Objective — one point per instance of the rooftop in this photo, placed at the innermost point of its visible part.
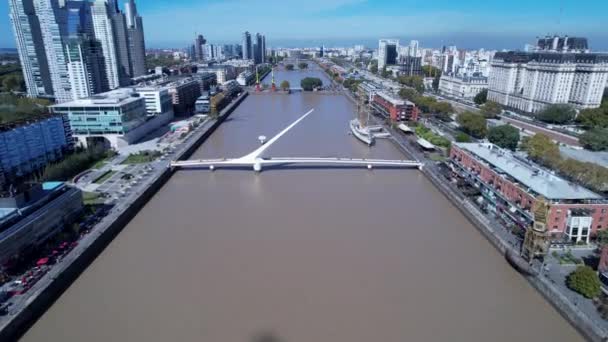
(528, 174)
(113, 98)
(600, 158)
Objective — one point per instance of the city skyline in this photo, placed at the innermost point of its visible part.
(341, 22)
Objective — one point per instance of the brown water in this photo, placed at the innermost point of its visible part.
(340, 255)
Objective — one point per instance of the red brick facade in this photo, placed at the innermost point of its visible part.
(518, 196)
(397, 111)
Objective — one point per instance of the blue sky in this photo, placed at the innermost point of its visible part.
(466, 23)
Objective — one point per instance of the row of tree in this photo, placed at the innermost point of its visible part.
(427, 104)
(75, 163)
(14, 108)
(544, 151)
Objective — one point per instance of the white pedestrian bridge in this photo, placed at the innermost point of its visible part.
(257, 162)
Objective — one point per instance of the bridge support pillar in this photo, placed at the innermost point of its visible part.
(257, 167)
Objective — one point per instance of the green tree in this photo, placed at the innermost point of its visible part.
(557, 114)
(285, 85)
(310, 83)
(602, 237)
(542, 149)
(289, 67)
(481, 97)
(431, 71)
(491, 110)
(593, 118)
(462, 137)
(473, 124)
(435, 84)
(505, 136)
(374, 67)
(12, 82)
(409, 94)
(585, 281)
(595, 139)
(443, 107)
(303, 65)
(415, 82)
(386, 73)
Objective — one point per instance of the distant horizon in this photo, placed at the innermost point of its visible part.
(465, 41)
(466, 24)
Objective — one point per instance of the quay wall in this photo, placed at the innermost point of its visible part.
(48, 289)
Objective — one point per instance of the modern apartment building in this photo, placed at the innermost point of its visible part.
(28, 146)
(61, 44)
(30, 45)
(137, 45)
(530, 81)
(465, 87)
(387, 52)
(184, 94)
(511, 185)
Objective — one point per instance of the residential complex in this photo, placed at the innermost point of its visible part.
(511, 185)
(73, 49)
(28, 146)
(465, 87)
(528, 81)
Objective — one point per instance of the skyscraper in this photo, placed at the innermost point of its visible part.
(85, 61)
(104, 32)
(137, 45)
(247, 47)
(258, 46)
(263, 53)
(52, 20)
(30, 46)
(199, 42)
(73, 48)
(387, 52)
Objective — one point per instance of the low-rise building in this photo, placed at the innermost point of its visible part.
(35, 214)
(184, 94)
(206, 80)
(157, 98)
(116, 118)
(246, 78)
(511, 185)
(465, 87)
(223, 72)
(27, 146)
(394, 108)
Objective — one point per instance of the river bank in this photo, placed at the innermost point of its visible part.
(60, 277)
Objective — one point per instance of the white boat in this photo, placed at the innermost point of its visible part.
(361, 133)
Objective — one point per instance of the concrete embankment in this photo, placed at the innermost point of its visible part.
(42, 295)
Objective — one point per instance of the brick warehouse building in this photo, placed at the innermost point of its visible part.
(394, 108)
(510, 186)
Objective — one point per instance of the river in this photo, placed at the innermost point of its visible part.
(307, 254)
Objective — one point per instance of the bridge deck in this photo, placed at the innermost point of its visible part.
(293, 161)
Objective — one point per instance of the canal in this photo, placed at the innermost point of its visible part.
(340, 255)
